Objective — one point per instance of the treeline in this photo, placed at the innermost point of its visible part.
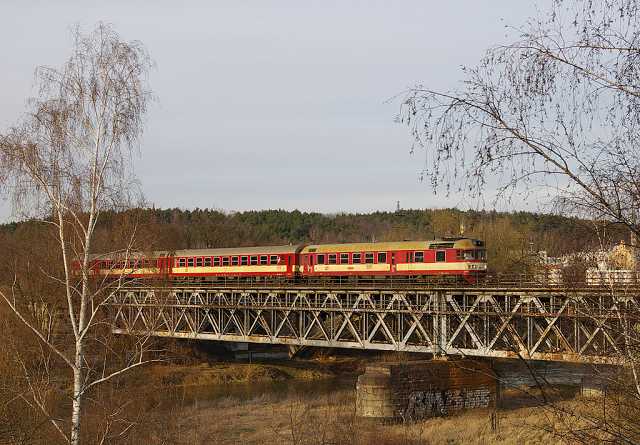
(511, 237)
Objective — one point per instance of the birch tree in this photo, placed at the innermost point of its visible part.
(66, 163)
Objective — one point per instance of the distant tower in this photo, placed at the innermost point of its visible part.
(397, 206)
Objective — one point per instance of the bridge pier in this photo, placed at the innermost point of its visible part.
(422, 389)
(430, 388)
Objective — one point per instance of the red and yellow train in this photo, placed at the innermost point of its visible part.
(446, 258)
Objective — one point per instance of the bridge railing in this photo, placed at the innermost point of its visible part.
(491, 280)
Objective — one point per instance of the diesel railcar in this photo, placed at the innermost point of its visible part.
(446, 258)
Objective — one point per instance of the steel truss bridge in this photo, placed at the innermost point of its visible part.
(592, 326)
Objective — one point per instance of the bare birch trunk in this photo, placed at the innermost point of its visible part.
(76, 407)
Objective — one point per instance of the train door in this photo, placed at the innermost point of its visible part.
(310, 263)
(163, 265)
(393, 262)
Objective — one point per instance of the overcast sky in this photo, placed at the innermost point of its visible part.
(271, 104)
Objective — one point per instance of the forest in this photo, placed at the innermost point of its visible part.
(512, 239)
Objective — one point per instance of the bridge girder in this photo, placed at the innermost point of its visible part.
(580, 326)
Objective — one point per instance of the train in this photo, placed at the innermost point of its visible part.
(451, 259)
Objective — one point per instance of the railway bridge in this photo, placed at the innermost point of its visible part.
(582, 325)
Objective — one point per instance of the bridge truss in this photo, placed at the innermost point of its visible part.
(578, 326)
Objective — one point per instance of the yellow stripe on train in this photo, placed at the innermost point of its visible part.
(454, 266)
(352, 268)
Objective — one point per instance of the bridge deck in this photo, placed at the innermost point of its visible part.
(582, 325)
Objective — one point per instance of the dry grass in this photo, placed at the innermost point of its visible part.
(331, 420)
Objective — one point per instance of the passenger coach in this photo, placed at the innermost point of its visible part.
(268, 261)
(204, 264)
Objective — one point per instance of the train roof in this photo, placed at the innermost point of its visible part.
(441, 243)
(224, 251)
(238, 251)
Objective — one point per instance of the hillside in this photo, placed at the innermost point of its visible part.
(510, 237)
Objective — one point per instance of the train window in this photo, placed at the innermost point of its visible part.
(357, 258)
(458, 254)
(244, 260)
(198, 262)
(254, 260)
(382, 257)
(441, 246)
(189, 262)
(264, 259)
(469, 254)
(207, 262)
(273, 259)
(333, 258)
(182, 262)
(368, 258)
(344, 258)
(320, 259)
(235, 260)
(216, 261)
(225, 260)
(441, 256)
(418, 257)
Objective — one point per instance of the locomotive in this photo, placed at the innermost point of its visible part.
(457, 259)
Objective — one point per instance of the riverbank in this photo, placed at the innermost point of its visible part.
(232, 372)
(308, 402)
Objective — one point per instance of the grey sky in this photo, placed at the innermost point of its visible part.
(271, 104)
